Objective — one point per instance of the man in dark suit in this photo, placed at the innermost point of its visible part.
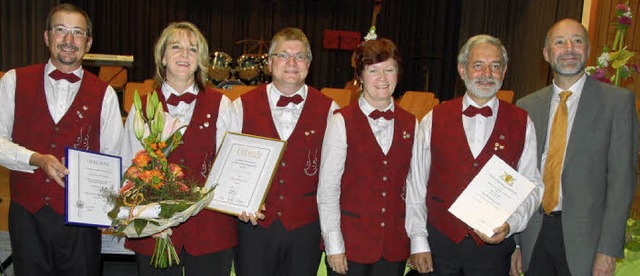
(579, 229)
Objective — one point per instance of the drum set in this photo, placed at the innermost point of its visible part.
(248, 69)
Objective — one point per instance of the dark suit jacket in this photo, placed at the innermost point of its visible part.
(599, 173)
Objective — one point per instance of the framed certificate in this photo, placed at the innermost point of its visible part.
(91, 176)
(242, 172)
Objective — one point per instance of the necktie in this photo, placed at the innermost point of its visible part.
(185, 97)
(473, 111)
(284, 101)
(58, 75)
(387, 115)
(555, 155)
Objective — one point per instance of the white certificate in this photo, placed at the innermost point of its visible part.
(492, 196)
(242, 172)
(91, 177)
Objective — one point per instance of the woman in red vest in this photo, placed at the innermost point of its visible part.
(204, 242)
(366, 154)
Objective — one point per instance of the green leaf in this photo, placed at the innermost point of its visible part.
(139, 225)
(167, 210)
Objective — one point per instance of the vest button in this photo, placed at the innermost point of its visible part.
(181, 160)
(382, 224)
(279, 213)
(281, 181)
(384, 178)
(56, 128)
(384, 194)
(384, 210)
(384, 162)
(475, 165)
(283, 164)
(46, 198)
(47, 180)
(53, 146)
(281, 197)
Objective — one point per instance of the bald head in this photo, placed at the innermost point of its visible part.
(564, 24)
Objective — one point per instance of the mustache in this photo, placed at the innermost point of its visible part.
(73, 47)
(569, 55)
(485, 79)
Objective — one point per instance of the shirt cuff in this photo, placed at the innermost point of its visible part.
(420, 244)
(511, 221)
(333, 243)
(23, 156)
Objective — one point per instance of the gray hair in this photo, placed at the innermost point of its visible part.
(463, 55)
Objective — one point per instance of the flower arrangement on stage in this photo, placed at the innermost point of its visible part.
(612, 64)
(155, 195)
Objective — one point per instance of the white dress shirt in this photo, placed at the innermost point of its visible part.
(284, 118)
(478, 129)
(183, 111)
(59, 96)
(334, 154)
(572, 106)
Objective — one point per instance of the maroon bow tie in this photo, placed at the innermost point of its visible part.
(284, 101)
(387, 115)
(185, 97)
(70, 77)
(473, 111)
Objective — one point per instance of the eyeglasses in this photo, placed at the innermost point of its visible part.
(297, 58)
(62, 31)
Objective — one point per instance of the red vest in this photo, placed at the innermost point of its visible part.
(372, 198)
(34, 129)
(453, 165)
(208, 231)
(292, 195)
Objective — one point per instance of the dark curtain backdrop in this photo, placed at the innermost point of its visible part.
(428, 33)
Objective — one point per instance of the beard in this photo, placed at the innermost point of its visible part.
(64, 59)
(569, 71)
(479, 92)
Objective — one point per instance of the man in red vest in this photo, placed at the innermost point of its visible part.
(287, 240)
(43, 109)
(458, 138)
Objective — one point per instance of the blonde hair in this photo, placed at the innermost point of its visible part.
(288, 34)
(201, 44)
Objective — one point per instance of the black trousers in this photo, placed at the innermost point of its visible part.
(468, 258)
(379, 268)
(214, 264)
(42, 244)
(549, 257)
(275, 251)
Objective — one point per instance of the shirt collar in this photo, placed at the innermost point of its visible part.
(167, 90)
(367, 108)
(576, 88)
(492, 103)
(49, 67)
(274, 94)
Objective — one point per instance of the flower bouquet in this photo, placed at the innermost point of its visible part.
(612, 64)
(155, 195)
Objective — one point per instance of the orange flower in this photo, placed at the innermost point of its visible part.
(127, 186)
(142, 158)
(162, 145)
(133, 172)
(182, 187)
(151, 176)
(176, 170)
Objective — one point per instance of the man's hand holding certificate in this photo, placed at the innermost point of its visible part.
(491, 197)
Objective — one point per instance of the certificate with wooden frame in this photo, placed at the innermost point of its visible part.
(242, 172)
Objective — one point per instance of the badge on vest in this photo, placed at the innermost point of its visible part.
(311, 168)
